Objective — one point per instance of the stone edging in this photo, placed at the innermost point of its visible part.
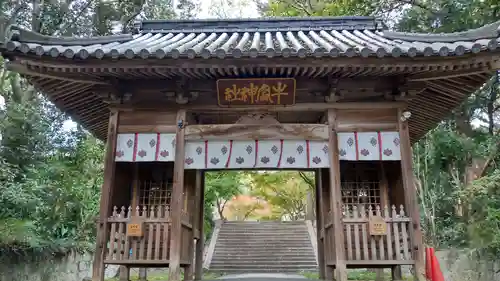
(211, 247)
(312, 237)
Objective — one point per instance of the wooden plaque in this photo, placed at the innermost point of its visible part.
(135, 229)
(377, 226)
(256, 91)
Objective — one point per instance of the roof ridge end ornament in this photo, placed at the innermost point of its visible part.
(7, 27)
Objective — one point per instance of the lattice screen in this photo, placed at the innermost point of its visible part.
(360, 184)
(155, 185)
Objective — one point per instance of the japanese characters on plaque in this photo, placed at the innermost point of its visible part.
(247, 154)
(377, 226)
(255, 91)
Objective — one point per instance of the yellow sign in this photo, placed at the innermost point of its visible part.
(267, 91)
(377, 226)
(134, 229)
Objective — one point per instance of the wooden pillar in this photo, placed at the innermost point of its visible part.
(104, 208)
(177, 200)
(135, 187)
(200, 243)
(336, 198)
(192, 211)
(319, 224)
(410, 196)
(325, 207)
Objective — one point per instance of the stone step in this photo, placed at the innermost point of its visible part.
(273, 255)
(263, 251)
(262, 264)
(270, 260)
(249, 267)
(265, 242)
(263, 233)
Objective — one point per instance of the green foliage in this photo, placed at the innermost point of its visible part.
(295, 8)
(285, 191)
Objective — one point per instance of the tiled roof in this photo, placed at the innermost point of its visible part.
(291, 37)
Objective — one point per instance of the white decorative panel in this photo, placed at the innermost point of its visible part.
(217, 154)
(269, 153)
(242, 155)
(146, 147)
(194, 155)
(166, 151)
(347, 146)
(294, 154)
(368, 146)
(318, 154)
(391, 149)
(125, 144)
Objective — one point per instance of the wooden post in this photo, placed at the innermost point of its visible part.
(336, 198)
(143, 274)
(325, 207)
(135, 187)
(319, 224)
(124, 273)
(410, 196)
(177, 200)
(192, 192)
(105, 208)
(200, 243)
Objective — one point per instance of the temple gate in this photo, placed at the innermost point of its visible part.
(343, 97)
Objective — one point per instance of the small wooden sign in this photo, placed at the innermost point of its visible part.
(377, 226)
(135, 228)
(256, 91)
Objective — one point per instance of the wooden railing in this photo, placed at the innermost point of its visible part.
(363, 249)
(391, 248)
(150, 248)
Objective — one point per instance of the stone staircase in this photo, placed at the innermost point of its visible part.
(262, 247)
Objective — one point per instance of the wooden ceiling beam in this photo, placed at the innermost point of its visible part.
(447, 74)
(23, 69)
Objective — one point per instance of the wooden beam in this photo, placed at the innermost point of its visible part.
(200, 243)
(105, 208)
(336, 198)
(317, 107)
(177, 201)
(258, 131)
(22, 69)
(123, 129)
(411, 202)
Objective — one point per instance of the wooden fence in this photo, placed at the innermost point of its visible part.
(152, 247)
(393, 247)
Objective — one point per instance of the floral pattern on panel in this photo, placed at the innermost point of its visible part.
(342, 152)
(130, 143)
(300, 149)
(142, 153)
(249, 149)
(290, 160)
(387, 152)
(152, 142)
(189, 161)
(396, 141)
(316, 160)
(214, 160)
(365, 152)
(120, 153)
(373, 141)
(199, 150)
(274, 149)
(223, 150)
(325, 149)
(350, 142)
(240, 160)
(265, 159)
(164, 153)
